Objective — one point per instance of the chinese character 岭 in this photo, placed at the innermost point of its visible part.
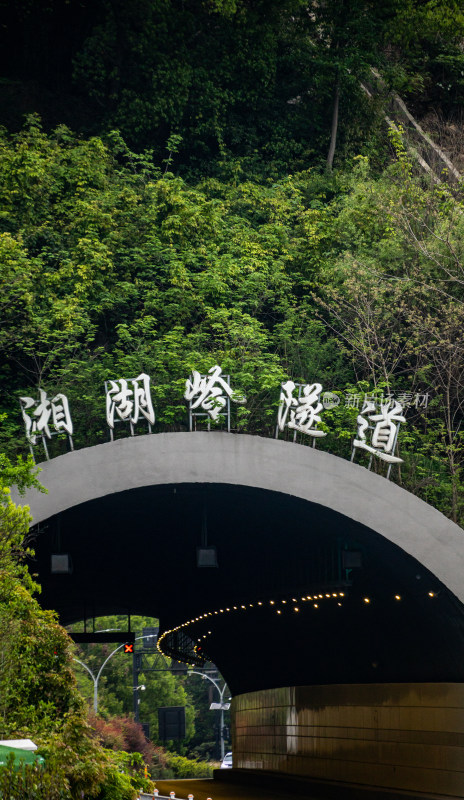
(207, 392)
(384, 432)
(128, 399)
(300, 413)
(36, 415)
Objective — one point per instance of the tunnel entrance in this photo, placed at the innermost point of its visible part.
(318, 598)
(334, 612)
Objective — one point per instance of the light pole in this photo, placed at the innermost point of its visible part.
(215, 706)
(96, 677)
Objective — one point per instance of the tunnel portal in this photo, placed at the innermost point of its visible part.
(335, 611)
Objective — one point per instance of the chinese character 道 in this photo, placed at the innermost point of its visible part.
(384, 432)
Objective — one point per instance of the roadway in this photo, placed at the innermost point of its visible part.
(202, 789)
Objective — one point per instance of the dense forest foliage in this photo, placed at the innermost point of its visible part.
(186, 183)
(114, 266)
(253, 80)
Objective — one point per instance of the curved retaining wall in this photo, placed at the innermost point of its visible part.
(398, 737)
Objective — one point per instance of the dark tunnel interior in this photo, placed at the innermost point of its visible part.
(386, 619)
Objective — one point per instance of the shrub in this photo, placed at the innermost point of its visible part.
(189, 768)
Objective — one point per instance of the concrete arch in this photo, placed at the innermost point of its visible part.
(301, 472)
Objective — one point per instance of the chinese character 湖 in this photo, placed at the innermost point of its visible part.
(128, 399)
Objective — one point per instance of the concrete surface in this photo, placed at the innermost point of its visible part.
(303, 472)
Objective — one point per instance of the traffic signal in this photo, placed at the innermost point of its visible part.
(128, 647)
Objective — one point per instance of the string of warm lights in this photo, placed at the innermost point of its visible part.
(287, 604)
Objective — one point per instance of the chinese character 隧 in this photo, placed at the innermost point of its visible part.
(301, 412)
(383, 433)
(128, 399)
(207, 392)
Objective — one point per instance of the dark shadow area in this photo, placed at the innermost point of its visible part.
(136, 552)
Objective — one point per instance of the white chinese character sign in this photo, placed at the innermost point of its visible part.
(39, 415)
(127, 399)
(300, 411)
(384, 431)
(212, 394)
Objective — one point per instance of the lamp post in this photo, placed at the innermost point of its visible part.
(96, 677)
(216, 706)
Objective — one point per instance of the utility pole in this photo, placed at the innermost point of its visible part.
(221, 706)
(135, 676)
(96, 678)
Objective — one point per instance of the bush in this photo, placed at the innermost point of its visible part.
(117, 786)
(31, 781)
(123, 734)
(188, 768)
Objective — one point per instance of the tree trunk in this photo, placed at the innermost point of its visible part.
(333, 136)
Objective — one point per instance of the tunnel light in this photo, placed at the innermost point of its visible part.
(207, 556)
(432, 594)
(397, 597)
(296, 609)
(61, 564)
(367, 600)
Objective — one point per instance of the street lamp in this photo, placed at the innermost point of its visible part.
(96, 677)
(221, 706)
